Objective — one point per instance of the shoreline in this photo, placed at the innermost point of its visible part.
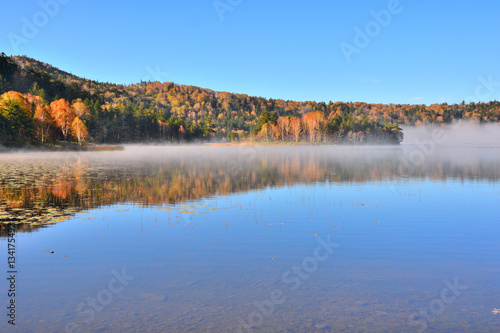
(98, 148)
(277, 144)
(62, 148)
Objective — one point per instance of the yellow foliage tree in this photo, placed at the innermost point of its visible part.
(16, 117)
(266, 131)
(79, 130)
(81, 110)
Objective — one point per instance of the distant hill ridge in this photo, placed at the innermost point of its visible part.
(156, 111)
(222, 102)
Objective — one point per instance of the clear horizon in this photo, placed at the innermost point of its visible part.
(388, 52)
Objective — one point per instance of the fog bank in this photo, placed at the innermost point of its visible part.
(460, 133)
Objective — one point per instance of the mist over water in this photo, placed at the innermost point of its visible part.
(207, 231)
(145, 174)
(462, 133)
(426, 149)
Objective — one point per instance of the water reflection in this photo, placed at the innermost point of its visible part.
(38, 189)
(202, 266)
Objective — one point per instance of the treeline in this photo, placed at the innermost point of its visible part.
(318, 127)
(168, 111)
(27, 118)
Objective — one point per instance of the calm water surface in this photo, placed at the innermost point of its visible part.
(254, 239)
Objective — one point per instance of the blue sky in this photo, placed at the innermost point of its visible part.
(424, 52)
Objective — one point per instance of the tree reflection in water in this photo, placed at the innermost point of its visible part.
(39, 189)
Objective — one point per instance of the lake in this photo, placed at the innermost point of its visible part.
(253, 239)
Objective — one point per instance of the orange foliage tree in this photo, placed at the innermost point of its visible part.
(314, 122)
(296, 128)
(64, 115)
(44, 122)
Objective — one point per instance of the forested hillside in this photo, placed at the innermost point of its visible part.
(64, 107)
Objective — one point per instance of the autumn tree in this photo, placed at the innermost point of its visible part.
(81, 110)
(275, 132)
(266, 131)
(44, 122)
(64, 115)
(182, 130)
(284, 126)
(296, 128)
(265, 118)
(16, 118)
(314, 122)
(164, 128)
(79, 130)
